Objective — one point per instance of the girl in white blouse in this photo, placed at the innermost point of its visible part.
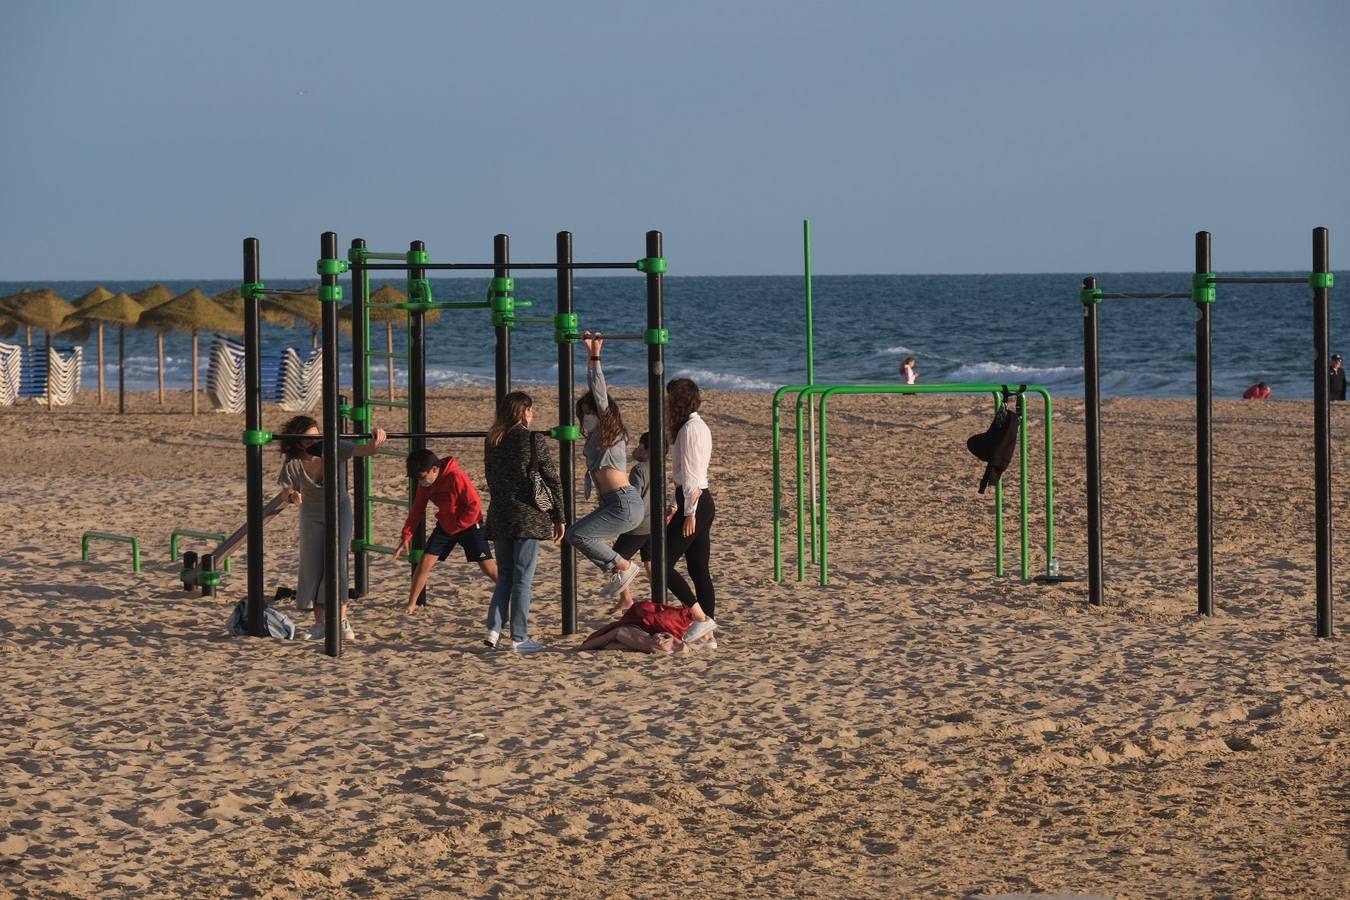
(691, 516)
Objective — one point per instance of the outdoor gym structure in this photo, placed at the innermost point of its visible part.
(812, 451)
(1203, 293)
(503, 305)
(819, 524)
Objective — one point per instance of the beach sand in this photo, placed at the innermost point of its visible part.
(918, 727)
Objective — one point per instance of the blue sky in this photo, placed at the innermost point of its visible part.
(145, 139)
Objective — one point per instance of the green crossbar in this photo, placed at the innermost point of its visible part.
(389, 404)
(110, 536)
(380, 548)
(388, 501)
(387, 451)
(217, 536)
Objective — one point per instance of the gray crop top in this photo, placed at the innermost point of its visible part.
(615, 456)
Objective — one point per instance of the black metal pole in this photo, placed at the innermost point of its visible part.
(656, 420)
(360, 420)
(208, 565)
(417, 401)
(567, 447)
(121, 370)
(1204, 434)
(253, 452)
(501, 268)
(334, 556)
(1322, 427)
(1092, 403)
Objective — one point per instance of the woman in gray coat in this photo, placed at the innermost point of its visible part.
(513, 456)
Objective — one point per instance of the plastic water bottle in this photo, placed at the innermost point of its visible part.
(1054, 567)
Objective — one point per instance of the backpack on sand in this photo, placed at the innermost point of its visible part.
(277, 623)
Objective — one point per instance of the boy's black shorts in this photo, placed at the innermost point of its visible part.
(471, 540)
(630, 543)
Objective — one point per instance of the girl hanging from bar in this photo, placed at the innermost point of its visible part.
(606, 449)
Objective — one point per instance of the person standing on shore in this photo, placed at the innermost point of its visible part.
(1336, 378)
(513, 457)
(690, 518)
(907, 370)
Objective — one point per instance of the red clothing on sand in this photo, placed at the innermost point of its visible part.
(1256, 392)
(457, 504)
(653, 619)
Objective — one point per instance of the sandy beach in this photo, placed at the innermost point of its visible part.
(918, 727)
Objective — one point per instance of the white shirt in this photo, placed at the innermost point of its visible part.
(689, 459)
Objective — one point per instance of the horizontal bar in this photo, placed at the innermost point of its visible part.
(388, 404)
(637, 336)
(371, 254)
(300, 292)
(379, 548)
(449, 304)
(1136, 296)
(388, 501)
(489, 266)
(1302, 281)
(392, 435)
(387, 451)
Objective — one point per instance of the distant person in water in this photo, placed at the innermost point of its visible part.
(1258, 391)
(907, 370)
(1336, 378)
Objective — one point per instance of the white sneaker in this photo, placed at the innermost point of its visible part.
(617, 580)
(347, 633)
(527, 646)
(491, 640)
(698, 629)
(315, 632)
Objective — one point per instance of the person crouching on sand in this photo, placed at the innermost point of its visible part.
(459, 516)
(302, 479)
(648, 627)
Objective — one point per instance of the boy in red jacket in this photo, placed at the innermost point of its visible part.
(459, 516)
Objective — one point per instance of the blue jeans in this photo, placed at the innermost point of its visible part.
(619, 512)
(515, 577)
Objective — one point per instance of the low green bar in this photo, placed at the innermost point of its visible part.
(217, 536)
(397, 257)
(389, 404)
(380, 548)
(110, 536)
(388, 501)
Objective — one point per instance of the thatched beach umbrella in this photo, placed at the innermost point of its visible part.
(88, 301)
(45, 309)
(388, 294)
(192, 311)
(149, 298)
(120, 310)
(234, 302)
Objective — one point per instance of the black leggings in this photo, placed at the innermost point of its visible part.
(695, 549)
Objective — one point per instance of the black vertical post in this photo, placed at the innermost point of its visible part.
(1204, 432)
(656, 419)
(360, 419)
(334, 556)
(253, 452)
(1092, 403)
(501, 268)
(566, 447)
(121, 370)
(417, 399)
(208, 565)
(1322, 427)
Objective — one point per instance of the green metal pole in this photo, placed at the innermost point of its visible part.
(1049, 482)
(801, 497)
(1022, 475)
(810, 380)
(777, 494)
(824, 507)
(998, 508)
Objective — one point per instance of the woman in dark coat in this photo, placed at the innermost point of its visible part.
(516, 524)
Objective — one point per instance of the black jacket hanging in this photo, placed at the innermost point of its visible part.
(995, 445)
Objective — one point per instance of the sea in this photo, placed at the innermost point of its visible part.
(748, 333)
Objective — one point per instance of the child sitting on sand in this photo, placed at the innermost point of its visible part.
(459, 519)
(649, 627)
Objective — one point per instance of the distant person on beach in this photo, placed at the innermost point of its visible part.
(620, 508)
(301, 478)
(689, 520)
(1336, 378)
(517, 462)
(639, 539)
(907, 370)
(1258, 391)
(459, 515)
(649, 627)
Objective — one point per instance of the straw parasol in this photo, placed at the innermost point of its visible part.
(386, 295)
(120, 310)
(149, 298)
(88, 301)
(45, 309)
(234, 302)
(192, 311)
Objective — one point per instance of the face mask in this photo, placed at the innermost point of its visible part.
(590, 422)
(427, 482)
(315, 449)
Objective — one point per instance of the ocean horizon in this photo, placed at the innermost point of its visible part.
(748, 332)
